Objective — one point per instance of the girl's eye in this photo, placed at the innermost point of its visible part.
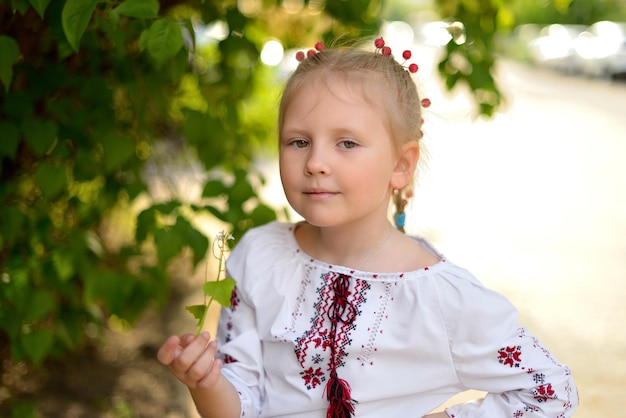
(347, 144)
(299, 143)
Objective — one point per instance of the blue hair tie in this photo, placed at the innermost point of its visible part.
(399, 219)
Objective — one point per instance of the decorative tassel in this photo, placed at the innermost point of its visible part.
(338, 394)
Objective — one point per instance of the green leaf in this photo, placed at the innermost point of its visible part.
(9, 54)
(10, 322)
(11, 223)
(197, 311)
(51, 179)
(221, 290)
(141, 9)
(69, 329)
(262, 214)
(20, 6)
(39, 134)
(75, 18)
(164, 40)
(169, 244)
(111, 288)
(117, 150)
(42, 302)
(63, 264)
(241, 190)
(40, 6)
(37, 344)
(146, 220)
(10, 140)
(193, 238)
(213, 188)
(25, 409)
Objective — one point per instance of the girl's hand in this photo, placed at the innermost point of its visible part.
(192, 360)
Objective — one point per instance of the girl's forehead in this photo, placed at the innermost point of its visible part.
(344, 88)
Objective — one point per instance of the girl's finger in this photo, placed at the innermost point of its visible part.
(167, 352)
(211, 377)
(203, 364)
(190, 354)
(187, 339)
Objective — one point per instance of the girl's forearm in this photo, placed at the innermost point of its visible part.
(222, 401)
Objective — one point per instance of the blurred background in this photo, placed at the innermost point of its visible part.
(133, 132)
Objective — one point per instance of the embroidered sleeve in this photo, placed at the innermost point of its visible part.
(493, 354)
(239, 348)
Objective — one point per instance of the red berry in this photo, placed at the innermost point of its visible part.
(299, 55)
(311, 52)
(406, 54)
(319, 46)
(425, 102)
(413, 68)
(386, 50)
(379, 42)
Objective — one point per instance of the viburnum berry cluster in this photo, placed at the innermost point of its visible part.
(300, 55)
(379, 43)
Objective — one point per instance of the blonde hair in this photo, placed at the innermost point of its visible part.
(383, 81)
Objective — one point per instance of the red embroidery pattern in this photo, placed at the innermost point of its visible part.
(510, 356)
(368, 350)
(313, 347)
(234, 299)
(229, 359)
(234, 303)
(313, 377)
(544, 392)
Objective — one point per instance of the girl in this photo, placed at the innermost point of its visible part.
(343, 315)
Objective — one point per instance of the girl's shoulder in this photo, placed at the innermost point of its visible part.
(272, 233)
(265, 243)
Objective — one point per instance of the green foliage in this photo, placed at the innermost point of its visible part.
(582, 12)
(102, 103)
(470, 54)
(9, 53)
(75, 17)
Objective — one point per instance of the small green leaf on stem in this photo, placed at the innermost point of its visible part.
(198, 311)
(220, 290)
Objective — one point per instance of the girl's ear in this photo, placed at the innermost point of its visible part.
(406, 165)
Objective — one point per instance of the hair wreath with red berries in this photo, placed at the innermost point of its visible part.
(381, 47)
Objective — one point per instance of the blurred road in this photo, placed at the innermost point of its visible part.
(533, 202)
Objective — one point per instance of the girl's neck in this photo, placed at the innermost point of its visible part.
(347, 246)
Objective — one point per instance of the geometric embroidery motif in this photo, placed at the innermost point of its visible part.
(312, 348)
(510, 356)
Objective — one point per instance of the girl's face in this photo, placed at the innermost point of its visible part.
(337, 159)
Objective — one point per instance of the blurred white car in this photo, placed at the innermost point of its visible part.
(554, 47)
(601, 49)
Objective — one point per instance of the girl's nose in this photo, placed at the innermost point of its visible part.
(317, 161)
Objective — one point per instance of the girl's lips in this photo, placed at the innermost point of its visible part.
(319, 193)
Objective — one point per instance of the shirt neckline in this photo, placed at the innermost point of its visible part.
(308, 259)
